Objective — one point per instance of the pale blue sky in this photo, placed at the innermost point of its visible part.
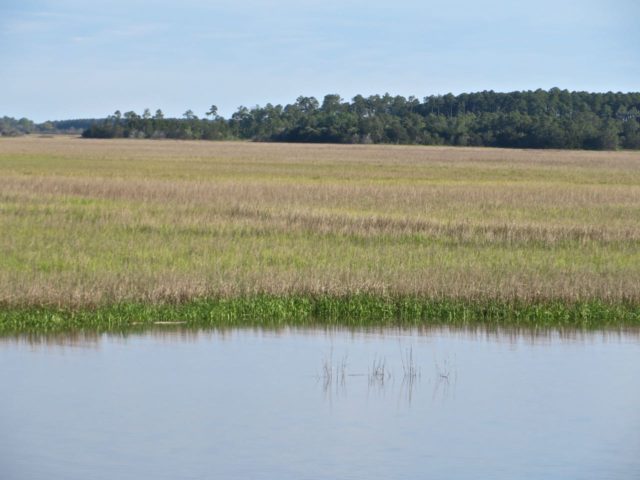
(82, 58)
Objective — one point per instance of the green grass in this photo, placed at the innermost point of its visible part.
(363, 310)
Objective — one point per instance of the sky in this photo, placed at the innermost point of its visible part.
(63, 59)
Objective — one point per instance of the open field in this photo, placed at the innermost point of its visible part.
(87, 223)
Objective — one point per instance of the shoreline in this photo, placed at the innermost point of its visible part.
(355, 311)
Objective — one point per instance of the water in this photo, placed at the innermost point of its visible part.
(258, 404)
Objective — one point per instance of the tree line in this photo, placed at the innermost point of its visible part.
(147, 125)
(524, 119)
(532, 119)
(11, 127)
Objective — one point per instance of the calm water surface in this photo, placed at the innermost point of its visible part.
(307, 404)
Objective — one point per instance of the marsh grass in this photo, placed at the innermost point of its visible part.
(378, 373)
(333, 370)
(362, 310)
(101, 232)
(410, 370)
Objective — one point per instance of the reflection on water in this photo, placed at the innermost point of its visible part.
(303, 403)
(171, 333)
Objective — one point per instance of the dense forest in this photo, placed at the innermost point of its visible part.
(529, 119)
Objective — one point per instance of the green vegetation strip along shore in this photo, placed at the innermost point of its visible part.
(351, 311)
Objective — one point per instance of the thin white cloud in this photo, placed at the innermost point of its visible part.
(27, 27)
(137, 30)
